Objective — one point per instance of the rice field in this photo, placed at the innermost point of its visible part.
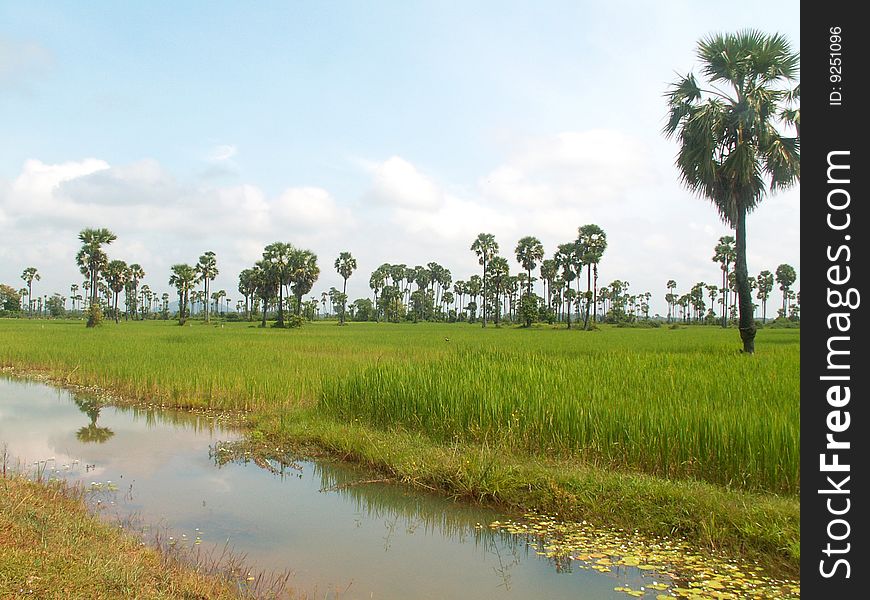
(678, 403)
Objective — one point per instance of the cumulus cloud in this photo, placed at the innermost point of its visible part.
(397, 182)
(306, 207)
(142, 182)
(159, 219)
(574, 168)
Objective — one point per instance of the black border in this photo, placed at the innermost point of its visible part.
(832, 128)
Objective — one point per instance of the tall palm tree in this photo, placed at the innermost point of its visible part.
(725, 253)
(730, 147)
(345, 264)
(247, 288)
(183, 278)
(263, 280)
(377, 281)
(764, 281)
(73, 290)
(785, 277)
(671, 298)
(277, 258)
(529, 251)
(206, 271)
(303, 275)
(592, 242)
(499, 271)
(116, 279)
(91, 260)
(29, 274)
(566, 260)
(485, 247)
(135, 273)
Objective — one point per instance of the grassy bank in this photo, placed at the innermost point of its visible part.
(51, 547)
(668, 430)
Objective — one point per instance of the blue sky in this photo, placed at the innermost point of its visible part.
(395, 130)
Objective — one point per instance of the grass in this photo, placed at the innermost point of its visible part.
(691, 436)
(53, 548)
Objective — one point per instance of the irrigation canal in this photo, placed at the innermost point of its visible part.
(340, 539)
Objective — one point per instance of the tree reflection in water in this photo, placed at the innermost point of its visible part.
(92, 433)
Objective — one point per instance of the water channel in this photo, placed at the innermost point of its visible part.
(373, 541)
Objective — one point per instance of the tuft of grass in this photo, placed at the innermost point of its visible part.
(53, 548)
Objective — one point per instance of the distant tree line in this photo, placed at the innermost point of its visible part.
(277, 287)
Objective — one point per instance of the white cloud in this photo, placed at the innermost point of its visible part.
(306, 207)
(396, 182)
(39, 178)
(141, 182)
(573, 168)
(223, 152)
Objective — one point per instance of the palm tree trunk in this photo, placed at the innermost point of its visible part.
(344, 300)
(484, 291)
(595, 292)
(588, 296)
(744, 293)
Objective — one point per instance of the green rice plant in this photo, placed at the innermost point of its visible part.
(716, 417)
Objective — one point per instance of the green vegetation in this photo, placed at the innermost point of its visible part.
(53, 548)
(732, 148)
(666, 430)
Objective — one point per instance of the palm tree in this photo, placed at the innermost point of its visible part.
(474, 287)
(28, 276)
(345, 264)
(116, 279)
(73, 290)
(182, 279)
(671, 298)
(713, 293)
(549, 272)
(565, 258)
(485, 247)
(206, 271)
(263, 281)
(765, 286)
(303, 275)
(529, 250)
(498, 273)
(135, 273)
(377, 281)
(217, 297)
(730, 147)
(277, 267)
(145, 299)
(247, 289)
(592, 242)
(785, 277)
(91, 260)
(725, 254)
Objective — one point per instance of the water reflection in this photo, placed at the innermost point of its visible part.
(342, 535)
(92, 433)
(405, 512)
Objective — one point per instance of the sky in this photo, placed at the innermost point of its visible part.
(396, 130)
